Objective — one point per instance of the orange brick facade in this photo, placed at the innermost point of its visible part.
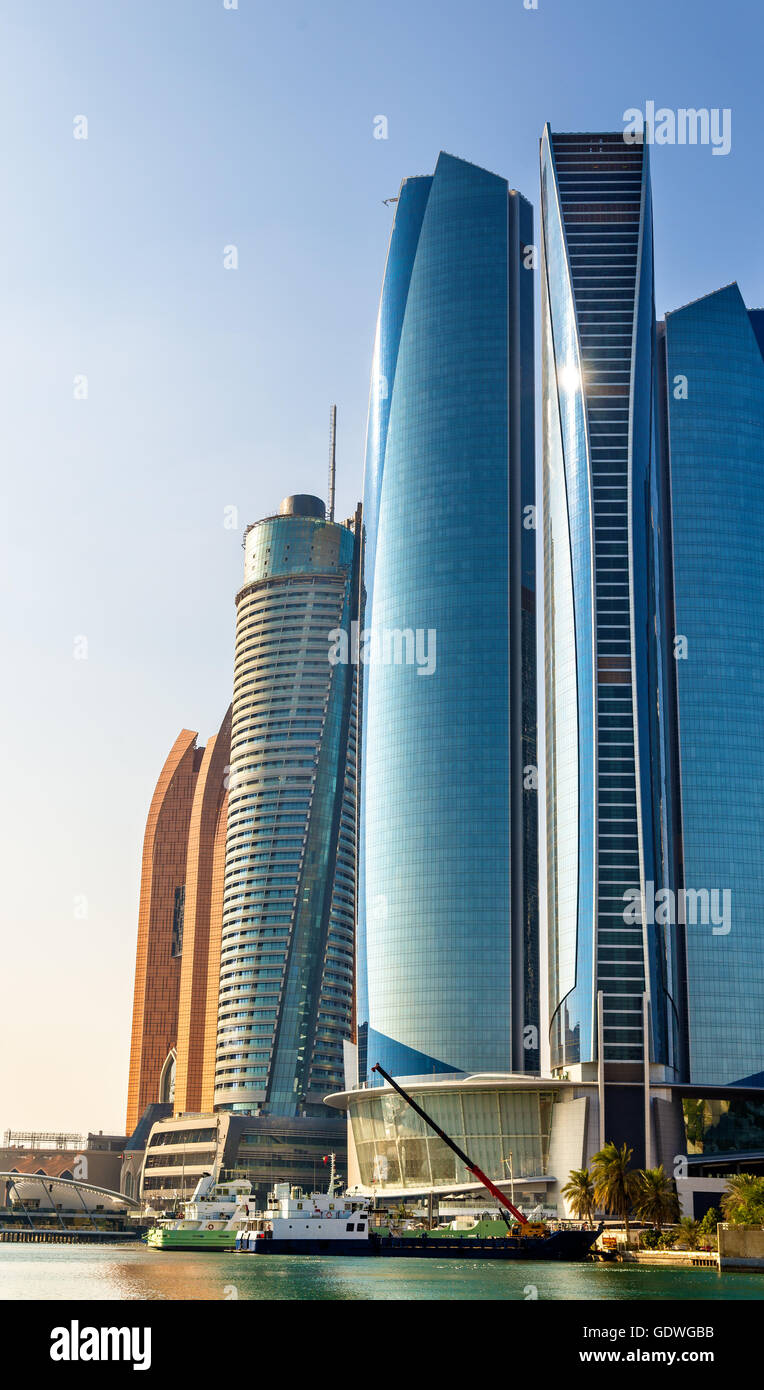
(181, 884)
(213, 967)
(200, 968)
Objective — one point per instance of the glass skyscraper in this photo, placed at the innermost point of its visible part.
(286, 962)
(611, 777)
(448, 893)
(713, 384)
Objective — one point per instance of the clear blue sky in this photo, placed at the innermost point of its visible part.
(210, 388)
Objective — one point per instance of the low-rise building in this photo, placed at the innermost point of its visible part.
(528, 1134)
(265, 1149)
(91, 1158)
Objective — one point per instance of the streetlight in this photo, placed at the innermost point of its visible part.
(511, 1179)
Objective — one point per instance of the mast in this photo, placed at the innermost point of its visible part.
(332, 1175)
(472, 1167)
(332, 460)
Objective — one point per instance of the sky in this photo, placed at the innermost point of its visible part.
(209, 388)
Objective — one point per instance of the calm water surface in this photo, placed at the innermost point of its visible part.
(132, 1271)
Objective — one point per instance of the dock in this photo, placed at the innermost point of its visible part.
(24, 1235)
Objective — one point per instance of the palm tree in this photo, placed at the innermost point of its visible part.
(615, 1183)
(743, 1202)
(689, 1232)
(655, 1199)
(579, 1191)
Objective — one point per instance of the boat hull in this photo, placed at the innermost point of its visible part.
(278, 1246)
(191, 1240)
(558, 1245)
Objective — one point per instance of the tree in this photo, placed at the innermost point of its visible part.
(689, 1232)
(579, 1191)
(743, 1202)
(615, 1183)
(668, 1239)
(709, 1224)
(655, 1198)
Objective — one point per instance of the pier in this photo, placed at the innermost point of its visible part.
(41, 1236)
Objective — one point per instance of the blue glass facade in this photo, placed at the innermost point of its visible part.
(714, 389)
(447, 929)
(286, 974)
(610, 775)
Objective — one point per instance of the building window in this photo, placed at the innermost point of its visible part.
(177, 921)
(167, 1080)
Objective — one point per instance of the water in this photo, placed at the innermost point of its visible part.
(133, 1272)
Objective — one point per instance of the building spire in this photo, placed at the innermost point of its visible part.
(332, 461)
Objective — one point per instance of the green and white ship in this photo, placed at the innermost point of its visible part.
(210, 1219)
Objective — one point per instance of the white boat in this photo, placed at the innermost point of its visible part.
(210, 1220)
(308, 1223)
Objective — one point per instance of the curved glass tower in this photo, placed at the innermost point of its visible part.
(611, 798)
(714, 374)
(447, 931)
(286, 967)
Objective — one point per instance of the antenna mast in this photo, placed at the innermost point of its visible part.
(332, 460)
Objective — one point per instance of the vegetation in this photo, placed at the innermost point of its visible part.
(743, 1202)
(655, 1199)
(659, 1240)
(708, 1227)
(688, 1233)
(650, 1195)
(579, 1191)
(616, 1183)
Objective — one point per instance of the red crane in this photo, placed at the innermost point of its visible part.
(473, 1168)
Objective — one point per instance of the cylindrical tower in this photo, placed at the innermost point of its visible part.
(286, 974)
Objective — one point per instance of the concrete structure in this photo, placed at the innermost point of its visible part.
(265, 1149)
(135, 1147)
(698, 1195)
(741, 1247)
(175, 996)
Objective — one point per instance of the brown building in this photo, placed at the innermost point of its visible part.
(172, 1054)
(202, 924)
(92, 1158)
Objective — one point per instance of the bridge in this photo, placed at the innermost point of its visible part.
(66, 1199)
